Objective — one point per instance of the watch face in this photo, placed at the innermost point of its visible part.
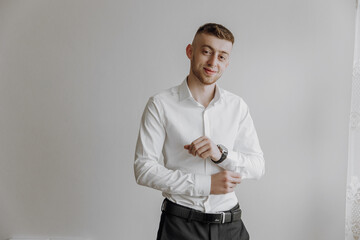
(223, 148)
(224, 153)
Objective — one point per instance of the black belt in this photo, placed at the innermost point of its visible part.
(231, 215)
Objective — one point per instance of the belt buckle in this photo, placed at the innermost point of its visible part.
(223, 217)
(222, 220)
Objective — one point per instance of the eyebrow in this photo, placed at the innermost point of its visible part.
(214, 49)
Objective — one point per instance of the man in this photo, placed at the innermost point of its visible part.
(208, 142)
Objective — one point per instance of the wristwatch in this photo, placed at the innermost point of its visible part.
(224, 153)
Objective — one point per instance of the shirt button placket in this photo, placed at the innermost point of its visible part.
(206, 131)
(206, 162)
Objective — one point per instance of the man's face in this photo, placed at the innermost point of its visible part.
(209, 57)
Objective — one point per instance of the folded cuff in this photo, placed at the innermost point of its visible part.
(202, 185)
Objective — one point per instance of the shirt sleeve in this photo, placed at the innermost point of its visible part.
(147, 168)
(246, 157)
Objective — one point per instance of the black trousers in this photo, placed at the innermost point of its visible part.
(176, 228)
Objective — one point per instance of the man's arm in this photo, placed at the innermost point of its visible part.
(149, 172)
(245, 158)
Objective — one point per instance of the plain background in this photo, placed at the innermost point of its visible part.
(75, 77)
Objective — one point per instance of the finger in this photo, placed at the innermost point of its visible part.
(192, 149)
(230, 187)
(195, 147)
(232, 177)
(188, 147)
(233, 185)
(235, 180)
(202, 149)
(196, 144)
(235, 174)
(202, 146)
(199, 139)
(205, 154)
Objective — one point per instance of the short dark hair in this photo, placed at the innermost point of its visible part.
(216, 30)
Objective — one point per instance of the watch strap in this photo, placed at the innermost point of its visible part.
(224, 154)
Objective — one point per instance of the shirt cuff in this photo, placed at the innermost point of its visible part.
(232, 162)
(202, 185)
(249, 166)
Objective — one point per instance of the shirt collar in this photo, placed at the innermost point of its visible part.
(185, 93)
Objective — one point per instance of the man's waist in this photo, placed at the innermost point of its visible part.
(231, 215)
(208, 204)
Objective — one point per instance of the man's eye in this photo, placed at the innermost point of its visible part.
(223, 58)
(206, 52)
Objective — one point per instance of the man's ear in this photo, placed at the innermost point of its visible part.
(189, 51)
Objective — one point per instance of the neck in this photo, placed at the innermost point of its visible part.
(202, 93)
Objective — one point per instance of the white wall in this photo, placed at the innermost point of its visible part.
(75, 77)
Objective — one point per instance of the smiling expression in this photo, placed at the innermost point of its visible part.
(209, 57)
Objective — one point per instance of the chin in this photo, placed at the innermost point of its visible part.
(208, 81)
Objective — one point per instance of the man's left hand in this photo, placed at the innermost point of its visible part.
(204, 148)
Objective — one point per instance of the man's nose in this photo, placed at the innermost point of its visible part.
(212, 60)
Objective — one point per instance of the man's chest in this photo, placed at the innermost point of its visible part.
(185, 123)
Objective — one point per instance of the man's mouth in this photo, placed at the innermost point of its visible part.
(209, 71)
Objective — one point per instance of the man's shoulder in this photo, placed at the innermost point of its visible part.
(166, 94)
(231, 97)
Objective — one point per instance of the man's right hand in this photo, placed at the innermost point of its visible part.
(224, 182)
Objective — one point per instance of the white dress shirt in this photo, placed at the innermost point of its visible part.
(172, 119)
